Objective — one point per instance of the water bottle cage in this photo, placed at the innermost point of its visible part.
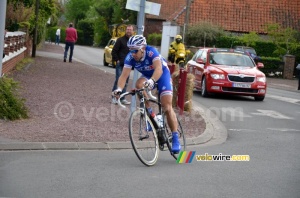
(153, 121)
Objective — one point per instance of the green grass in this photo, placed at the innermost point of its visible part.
(23, 63)
(12, 106)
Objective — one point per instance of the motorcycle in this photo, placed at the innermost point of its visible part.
(179, 56)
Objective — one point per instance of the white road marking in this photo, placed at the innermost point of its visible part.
(235, 111)
(273, 114)
(283, 130)
(285, 99)
(241, 130)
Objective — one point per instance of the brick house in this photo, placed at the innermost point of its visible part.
(239, 16)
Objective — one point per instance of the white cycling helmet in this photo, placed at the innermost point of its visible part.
(136, 42)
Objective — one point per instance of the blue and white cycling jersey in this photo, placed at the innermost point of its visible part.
(145, 67)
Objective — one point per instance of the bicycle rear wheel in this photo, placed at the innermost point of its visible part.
(181, 138)
(144, 143)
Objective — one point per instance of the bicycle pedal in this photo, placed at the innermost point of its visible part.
(144, 137)
(161, 147)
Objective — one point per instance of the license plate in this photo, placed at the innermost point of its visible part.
(240, 85)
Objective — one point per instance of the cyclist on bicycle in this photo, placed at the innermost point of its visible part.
(153, 67)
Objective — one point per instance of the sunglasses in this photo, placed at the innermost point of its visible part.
(134, 51)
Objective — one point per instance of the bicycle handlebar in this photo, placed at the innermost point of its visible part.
(121, 96)
(133, 92)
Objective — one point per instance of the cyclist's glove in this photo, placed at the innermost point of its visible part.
(117, 92)
(149, 84)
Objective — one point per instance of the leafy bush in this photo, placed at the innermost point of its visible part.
(273, 66)
(12, 107)
(272, 62)
(203, 34)
(154, 39)
(87, 32)
(227, 42)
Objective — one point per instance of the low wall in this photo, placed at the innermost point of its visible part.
(16, 47)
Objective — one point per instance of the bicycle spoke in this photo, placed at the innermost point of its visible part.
(144, 142)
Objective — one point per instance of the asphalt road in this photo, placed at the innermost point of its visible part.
(268, 132)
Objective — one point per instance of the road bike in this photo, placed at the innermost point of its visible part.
(148, 136)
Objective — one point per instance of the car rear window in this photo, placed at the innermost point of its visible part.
(251, 50)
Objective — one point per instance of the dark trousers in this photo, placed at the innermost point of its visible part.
(57, 39)
(119, 70)
(71, 46)
(299, 80)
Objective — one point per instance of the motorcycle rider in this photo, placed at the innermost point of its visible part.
(174, 45)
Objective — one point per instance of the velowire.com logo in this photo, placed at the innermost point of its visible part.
(188, 156)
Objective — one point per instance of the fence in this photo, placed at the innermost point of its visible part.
(16, 47)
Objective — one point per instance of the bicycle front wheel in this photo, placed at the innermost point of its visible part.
(143, 138)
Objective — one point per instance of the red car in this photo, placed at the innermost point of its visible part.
(227, 71)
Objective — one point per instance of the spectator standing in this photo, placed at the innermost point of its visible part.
(119, 52)
(71, 38)
(57, 37)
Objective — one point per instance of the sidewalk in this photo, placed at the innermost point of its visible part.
(284, 84)
(69, 105)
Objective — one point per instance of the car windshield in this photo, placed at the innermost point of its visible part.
(230, 59)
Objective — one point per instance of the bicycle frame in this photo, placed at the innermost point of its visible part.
(163, 134)
(143, 100)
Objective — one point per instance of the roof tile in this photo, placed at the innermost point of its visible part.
(234, 15)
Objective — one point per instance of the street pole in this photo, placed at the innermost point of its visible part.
(37, 5)
(3, 4)
(186, 20)
(141, 17)
(140, 24)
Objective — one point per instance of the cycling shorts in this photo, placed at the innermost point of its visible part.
(164, 84)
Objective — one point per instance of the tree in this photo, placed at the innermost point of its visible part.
(250, 39)
(203, 34)
(20, 14)
(76, 10)
(280, 35)
(110, 12)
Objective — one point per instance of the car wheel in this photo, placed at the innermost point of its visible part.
(204, 92)
(104, 61)
(259, 98)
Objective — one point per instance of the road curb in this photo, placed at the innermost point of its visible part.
(215, 132)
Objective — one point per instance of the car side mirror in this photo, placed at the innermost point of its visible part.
(260, 65)
(200, 61)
